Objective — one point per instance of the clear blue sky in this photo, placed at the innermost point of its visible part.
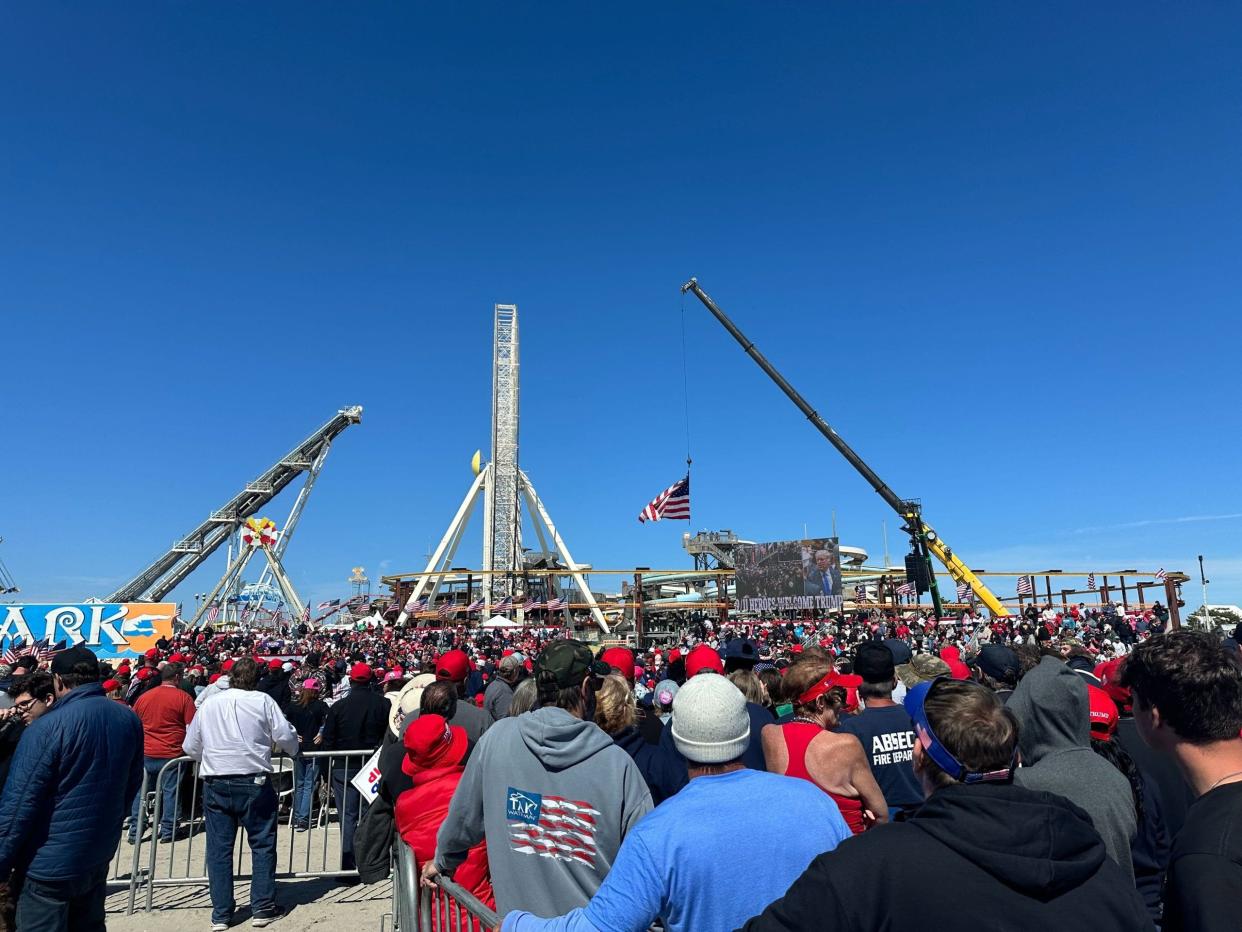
(996, 244)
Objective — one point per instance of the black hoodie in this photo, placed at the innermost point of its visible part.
(994, 857)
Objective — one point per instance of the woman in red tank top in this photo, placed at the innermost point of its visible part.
(806, 749)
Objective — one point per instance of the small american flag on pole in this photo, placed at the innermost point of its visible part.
(530, 604)
(1026, 585)
(475, 605)
(504, 605)
(329, 604)
(906, 589)
(446, 609)
(14, 652)
(964, 592)
(672, 503)
(413, 605)
(1091, 581)
(1160, 574)
(555, 604)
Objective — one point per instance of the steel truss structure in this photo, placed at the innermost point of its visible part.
(232, 577)
(188, 553)
(503, 487)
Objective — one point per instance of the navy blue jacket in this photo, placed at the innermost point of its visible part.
(71, 783)
(665, 771)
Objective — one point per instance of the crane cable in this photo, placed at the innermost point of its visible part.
(685, 380)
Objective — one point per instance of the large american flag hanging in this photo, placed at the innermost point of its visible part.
(1026, 585)
(906, 589)
(1091, 581)
(551, 826)
(672, 503)
(963, 591)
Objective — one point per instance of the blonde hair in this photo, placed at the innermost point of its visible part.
(750, 686)
(614, 705)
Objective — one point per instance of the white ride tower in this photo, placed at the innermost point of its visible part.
(503, 486)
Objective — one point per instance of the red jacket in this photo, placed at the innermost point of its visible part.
(166, 711)
(420, 812)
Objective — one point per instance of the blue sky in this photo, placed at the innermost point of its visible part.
(996, 245)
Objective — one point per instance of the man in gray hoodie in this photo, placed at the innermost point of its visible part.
(1054, 715)
(550, 792)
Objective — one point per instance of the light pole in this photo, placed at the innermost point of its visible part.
(1204, 581)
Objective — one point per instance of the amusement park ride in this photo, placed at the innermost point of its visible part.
(503, 487)
(188, 553)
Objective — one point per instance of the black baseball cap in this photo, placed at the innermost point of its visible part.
(568, 662)
(66, 660)
(874, 662)
(997, 661)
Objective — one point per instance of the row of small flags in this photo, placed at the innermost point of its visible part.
(414, 606)
(40, 650)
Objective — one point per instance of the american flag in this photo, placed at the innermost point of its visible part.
(330, 604)
(1160, 574)
(964, 592)
(446, 609)
(530, 604)
(555, 604)
(673, 503)
(15, 651)
(1091, 581)
(214, 612)
(306, 613)
(475, 605)
(1026, 585)
(504, 605)
(415, 605)
(906, 589)
(860, 594)
(551, 826)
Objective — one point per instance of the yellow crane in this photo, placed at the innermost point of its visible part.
(924, 536)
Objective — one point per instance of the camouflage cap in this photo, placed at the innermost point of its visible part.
(923, 668)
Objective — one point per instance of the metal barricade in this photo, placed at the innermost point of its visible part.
(319, 847)
(447, 908)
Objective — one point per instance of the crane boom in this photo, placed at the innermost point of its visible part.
(909, 511)
(185, 555)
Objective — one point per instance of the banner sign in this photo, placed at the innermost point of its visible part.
(789, 575)
(367, 780)
(114, 631)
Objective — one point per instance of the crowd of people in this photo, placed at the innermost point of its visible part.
(1080, 767)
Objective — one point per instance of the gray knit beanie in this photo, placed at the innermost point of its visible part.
(710, 723)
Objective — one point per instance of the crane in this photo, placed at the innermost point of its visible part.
(186, 554)
(923, 535)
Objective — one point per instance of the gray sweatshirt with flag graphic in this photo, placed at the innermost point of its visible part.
(554, 797)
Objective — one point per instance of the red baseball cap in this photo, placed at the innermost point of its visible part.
(153, 652)
(703, 658)
(109, 685)
(227, 665)
(453, 665)
(274, 664)
(360, 672)
(430, 742)
(1103, 713)
(620, 659)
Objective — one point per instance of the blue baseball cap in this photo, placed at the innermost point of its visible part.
(916, 696)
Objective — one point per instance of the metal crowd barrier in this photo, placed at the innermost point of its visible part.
(299, 853)
(447, 908)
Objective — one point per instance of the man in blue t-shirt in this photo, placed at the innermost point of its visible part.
(884, 728)
(679, 862)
